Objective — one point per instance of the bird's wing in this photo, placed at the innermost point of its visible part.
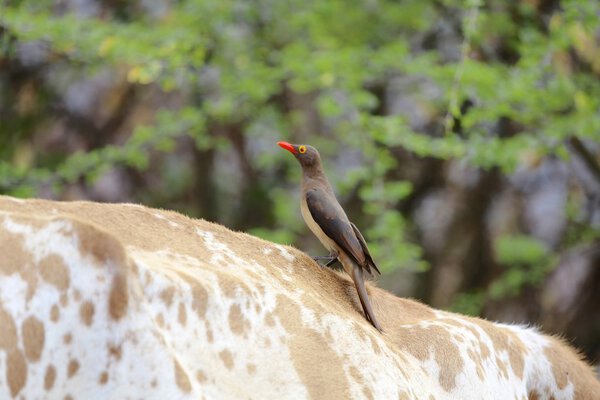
(330, 217)
(365, 248)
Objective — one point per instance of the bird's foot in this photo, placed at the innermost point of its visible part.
(330, 260)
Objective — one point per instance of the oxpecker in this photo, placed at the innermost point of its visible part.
(327, 220)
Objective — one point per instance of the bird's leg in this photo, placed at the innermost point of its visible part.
(331, 258)
(331, 262)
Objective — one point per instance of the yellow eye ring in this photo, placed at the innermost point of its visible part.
(302, 149)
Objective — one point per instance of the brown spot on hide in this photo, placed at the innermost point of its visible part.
(502, 368)
(422, 342)
(102, 246)
(200, 299)
(534, 395)
(72, 368)
(67, 338)
(167, 296)
(227, 358)
(103, 378)
(485, 351)
(16, 371)
(14, 256)
(54, 271)
(560, 373)
(8, 336)
(33, 338)
(504, 339)
(118, 298)
(160, 320)
(308, 349)
(86, 312)
(115, 351)
(269, 320)
(232, 286)
(201, 377)
(355, 374)
(568, 367)
(358, 378)
(54, 313)
(182, 315)
(49, 377)
(237, 322)
(480, 372)
(209, 334)
(64, 299)
(181, 378)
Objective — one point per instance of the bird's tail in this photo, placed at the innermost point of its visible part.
(359, 283)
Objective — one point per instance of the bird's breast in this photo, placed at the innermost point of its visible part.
(315, 228)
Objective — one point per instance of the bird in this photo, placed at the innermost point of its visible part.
(328, 221)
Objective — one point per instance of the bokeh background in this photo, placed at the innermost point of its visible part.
(462, 137)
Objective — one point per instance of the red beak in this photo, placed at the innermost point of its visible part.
(287, 146)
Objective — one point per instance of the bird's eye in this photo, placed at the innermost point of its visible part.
(302, 149)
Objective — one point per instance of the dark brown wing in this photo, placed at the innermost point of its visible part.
(363, 243)
(330, 216)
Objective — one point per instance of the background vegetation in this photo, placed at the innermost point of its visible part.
(463, 137)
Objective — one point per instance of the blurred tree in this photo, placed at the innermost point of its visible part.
(464, 137)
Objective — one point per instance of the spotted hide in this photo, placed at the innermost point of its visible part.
(117, 301)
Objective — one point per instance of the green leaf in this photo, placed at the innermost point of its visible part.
(519, 249)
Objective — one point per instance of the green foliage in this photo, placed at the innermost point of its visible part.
(90, 165)
(334, 53)
(525, 261)
(528, 260)
(518, 275)
(514, 250)
(470, 303)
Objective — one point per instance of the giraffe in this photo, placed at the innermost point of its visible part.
(123, 301)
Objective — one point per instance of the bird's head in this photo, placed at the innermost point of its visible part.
(307, 155)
